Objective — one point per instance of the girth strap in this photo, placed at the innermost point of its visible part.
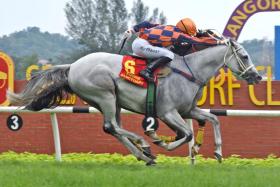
(150, 122)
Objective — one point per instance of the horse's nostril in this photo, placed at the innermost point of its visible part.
(259, 78)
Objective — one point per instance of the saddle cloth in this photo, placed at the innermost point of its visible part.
(131, 67)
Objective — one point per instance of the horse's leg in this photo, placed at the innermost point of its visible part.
(196, 145)
(98, 88)
(177, 124)
(134, 150)
(199, 138)
(108, 108)
(201, 115)
(133, 138)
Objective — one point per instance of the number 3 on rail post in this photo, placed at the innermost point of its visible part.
(14, 122)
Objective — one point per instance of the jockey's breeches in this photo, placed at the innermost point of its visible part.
(143, 48)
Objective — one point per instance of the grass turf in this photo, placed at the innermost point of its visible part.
(18, 170)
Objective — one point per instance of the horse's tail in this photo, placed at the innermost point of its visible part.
(44, 89)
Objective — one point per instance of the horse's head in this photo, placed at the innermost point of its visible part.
(240, 63)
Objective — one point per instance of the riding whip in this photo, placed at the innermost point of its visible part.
(122, 45)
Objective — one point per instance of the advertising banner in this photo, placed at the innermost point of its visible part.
(6, 77)
(244, 11)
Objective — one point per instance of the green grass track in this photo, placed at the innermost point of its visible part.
(97, 170)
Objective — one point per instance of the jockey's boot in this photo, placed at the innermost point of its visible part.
(148, 72)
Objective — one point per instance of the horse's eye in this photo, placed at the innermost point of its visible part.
(245, 57)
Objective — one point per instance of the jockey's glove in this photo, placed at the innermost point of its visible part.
(202, 33)
(223, 42)
(128, 33)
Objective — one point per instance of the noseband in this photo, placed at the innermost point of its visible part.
(244, 69)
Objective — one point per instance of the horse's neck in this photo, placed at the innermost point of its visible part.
(204, 64)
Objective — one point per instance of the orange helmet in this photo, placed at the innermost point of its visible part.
(187, 26)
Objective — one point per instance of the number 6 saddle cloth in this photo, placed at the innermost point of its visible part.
(131, 67)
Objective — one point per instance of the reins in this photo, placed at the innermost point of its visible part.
(188, 76)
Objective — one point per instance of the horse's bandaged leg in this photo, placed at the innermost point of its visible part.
(198, 141)
(168, 146)
(156, 139)
(201, 116)
(200, 132)
(200, 136)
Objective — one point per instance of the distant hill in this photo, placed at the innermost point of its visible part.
(32, 41)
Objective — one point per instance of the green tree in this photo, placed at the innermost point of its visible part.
(98, 24)
(140, 12)
(162, 18)
(158, 18)
(117, 22)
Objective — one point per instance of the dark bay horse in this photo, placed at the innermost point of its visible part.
(95, 79)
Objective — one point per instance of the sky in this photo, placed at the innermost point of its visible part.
(16, 15)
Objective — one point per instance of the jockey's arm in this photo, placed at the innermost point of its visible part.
(183, 38)
(143, 25)
(138, 28)
(207, 33)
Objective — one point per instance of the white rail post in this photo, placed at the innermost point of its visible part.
(56, 137)
(191, 143)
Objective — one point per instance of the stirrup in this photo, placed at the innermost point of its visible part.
(146, 74)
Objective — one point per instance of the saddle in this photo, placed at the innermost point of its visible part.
(131, 67)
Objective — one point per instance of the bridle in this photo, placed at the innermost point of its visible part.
(243, 69)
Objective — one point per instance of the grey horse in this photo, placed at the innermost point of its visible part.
(95, 79)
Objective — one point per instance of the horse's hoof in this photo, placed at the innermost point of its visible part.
(194, 151)
(192, 161)
(147, 152)
(150, 156)
(218, 157)
(151, 163)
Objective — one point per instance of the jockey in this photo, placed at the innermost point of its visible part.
(154, 41)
